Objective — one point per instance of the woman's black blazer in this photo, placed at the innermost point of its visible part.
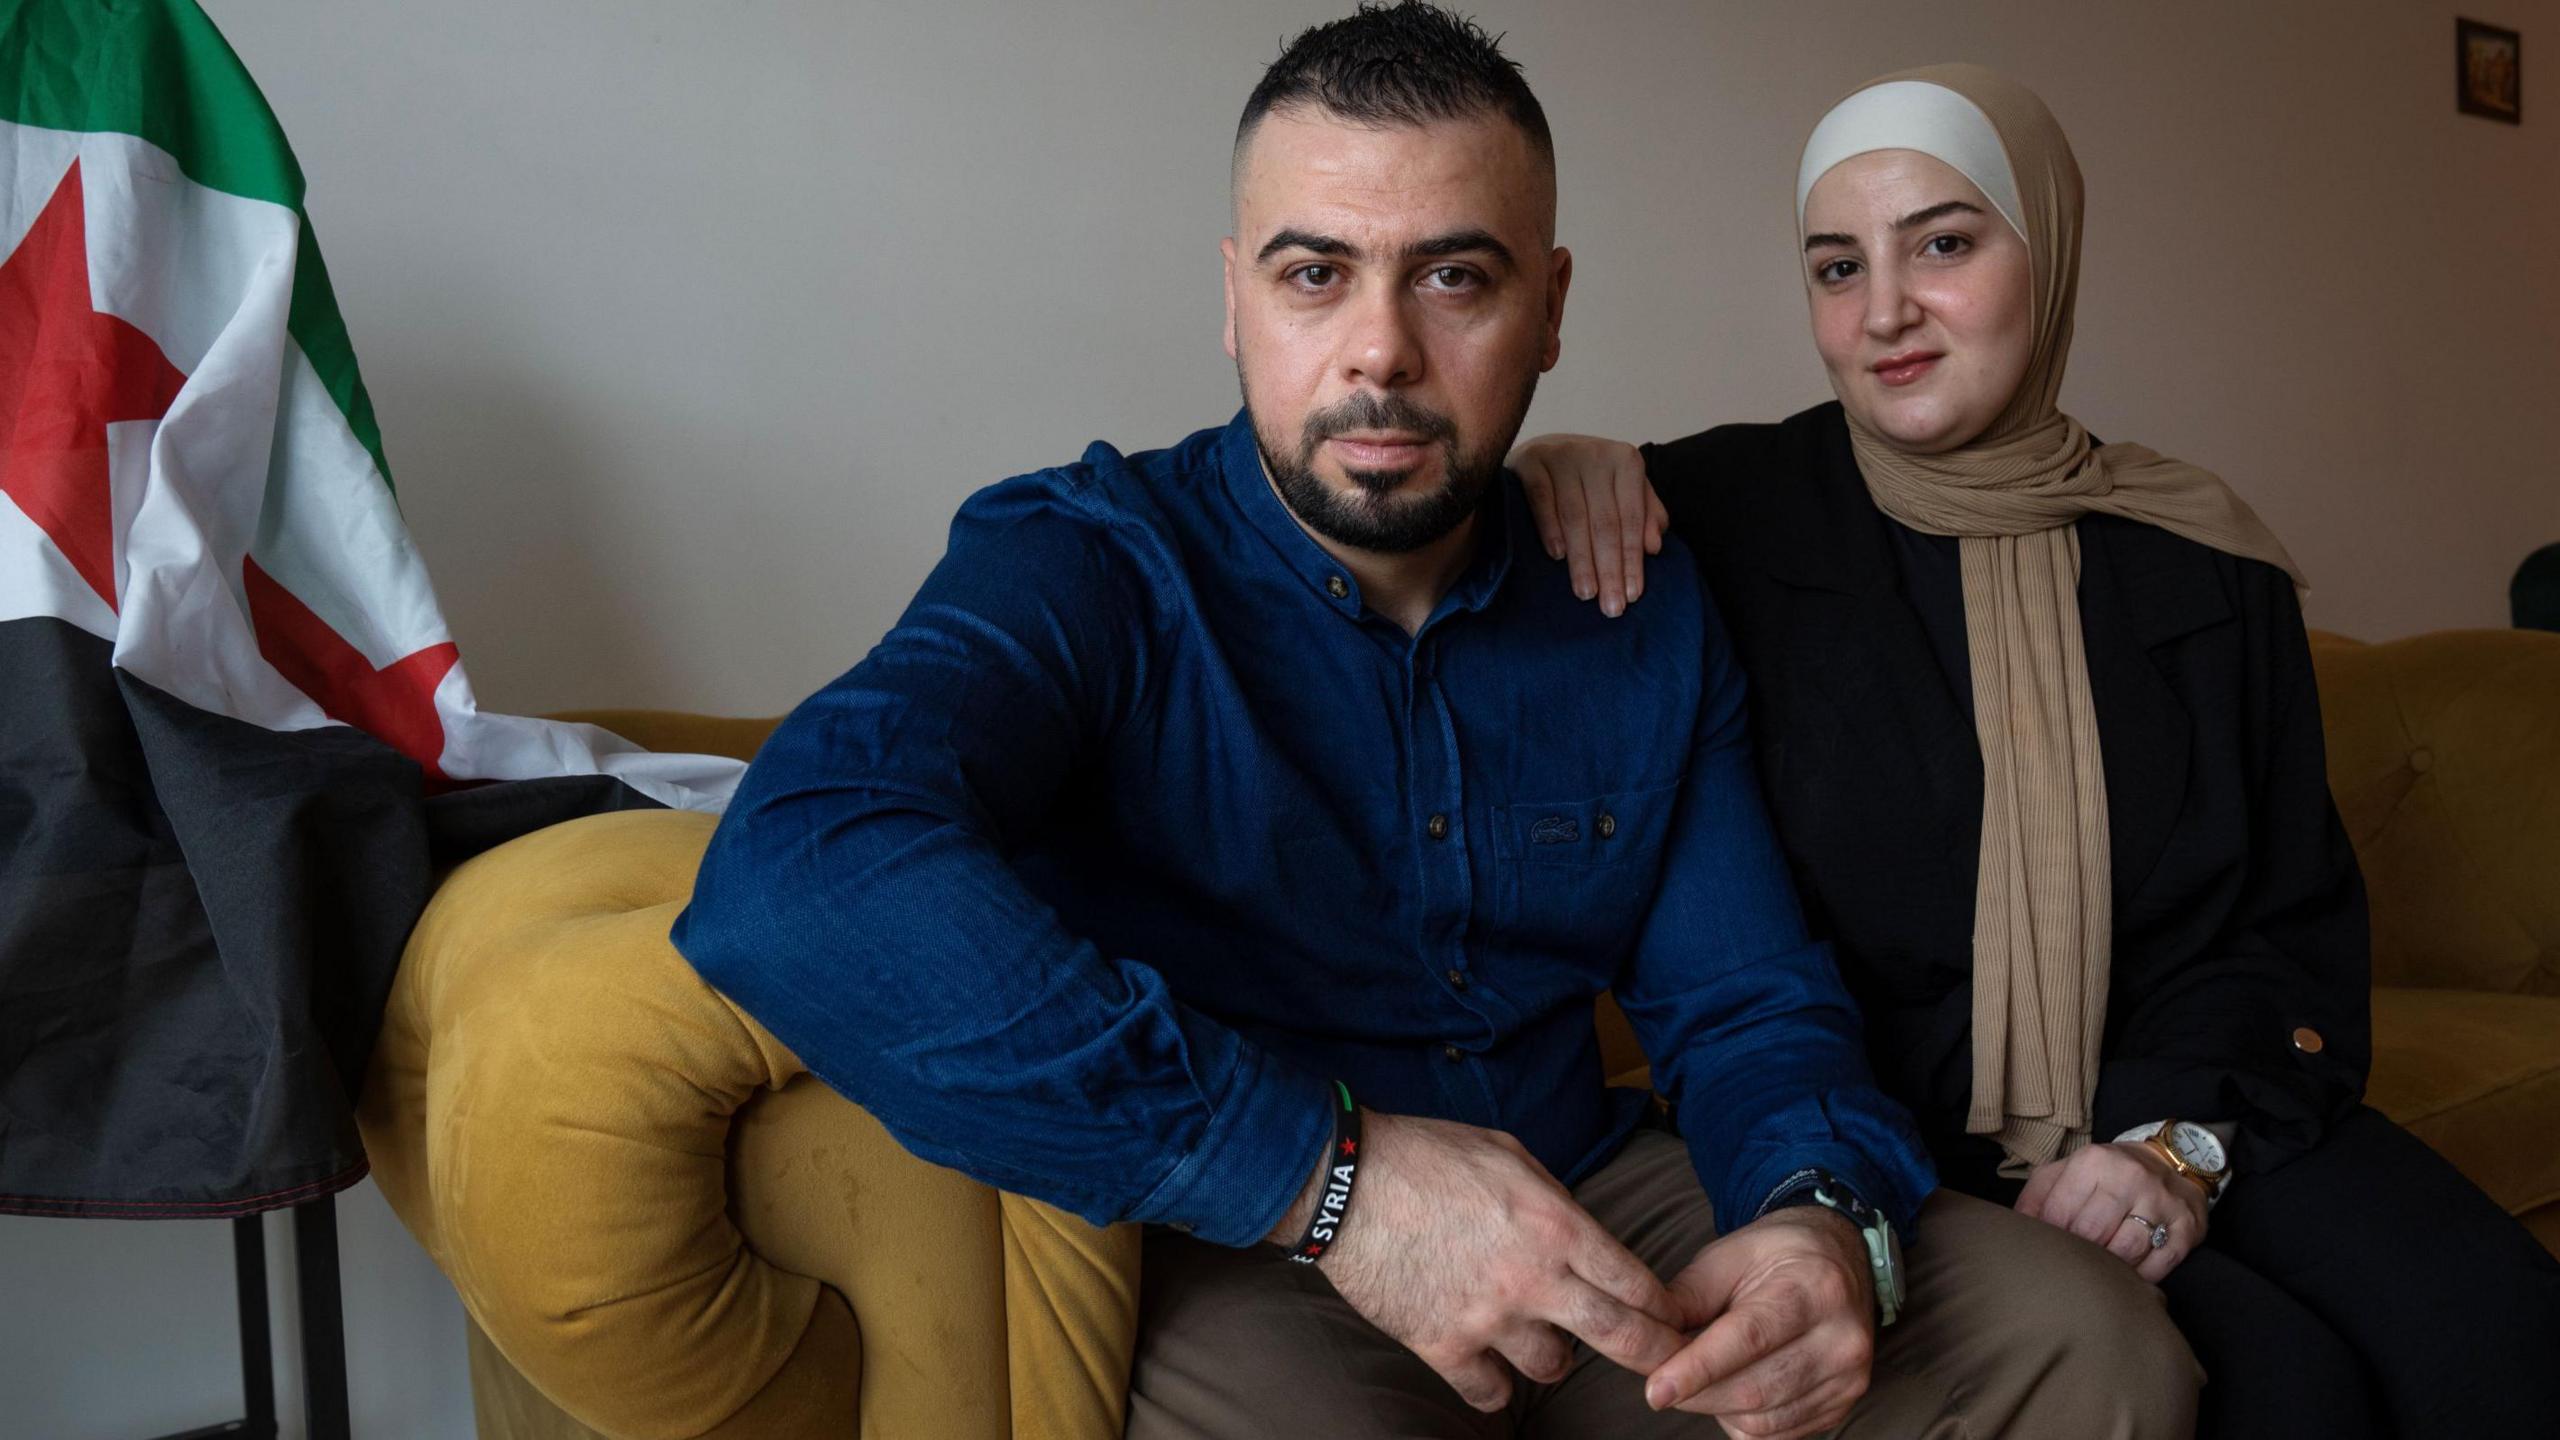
(2241, 960)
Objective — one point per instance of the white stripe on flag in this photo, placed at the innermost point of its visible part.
(518, 747)
(330, 531)
(36, 160)
(36, 579)
(190, 267)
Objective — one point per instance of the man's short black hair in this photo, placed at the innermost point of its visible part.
(1408, 63)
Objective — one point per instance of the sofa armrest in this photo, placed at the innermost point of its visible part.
(666, 1226)
(548, 1112)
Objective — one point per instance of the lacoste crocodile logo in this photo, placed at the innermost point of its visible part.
(1554, 830)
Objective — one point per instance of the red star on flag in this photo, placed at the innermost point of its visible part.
(395, 704)
(66, 373)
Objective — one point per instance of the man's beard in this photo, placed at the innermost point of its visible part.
(1372, 516)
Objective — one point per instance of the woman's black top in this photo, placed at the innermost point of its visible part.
(2239, 988)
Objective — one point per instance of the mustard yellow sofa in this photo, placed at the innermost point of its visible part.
(660, 1226)
(2444, 756)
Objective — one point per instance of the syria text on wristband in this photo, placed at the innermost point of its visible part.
(1342, 1169)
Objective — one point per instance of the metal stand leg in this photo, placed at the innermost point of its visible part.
(257, 1340)
(324, 1335)
(257, 1349)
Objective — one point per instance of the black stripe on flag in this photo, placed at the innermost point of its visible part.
(199, 922)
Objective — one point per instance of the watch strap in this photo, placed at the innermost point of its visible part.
(2159, 1143)
(1884, 1250)
(1796, 1189)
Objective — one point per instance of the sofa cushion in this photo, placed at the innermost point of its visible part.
(2477, 1077)
(2444, 756)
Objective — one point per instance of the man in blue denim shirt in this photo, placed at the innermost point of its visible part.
(1198, 782)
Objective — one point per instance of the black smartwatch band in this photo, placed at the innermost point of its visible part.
(1807, 1187)
(1796, 1189)
(1341, 1172)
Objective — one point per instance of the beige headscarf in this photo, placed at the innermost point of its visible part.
(2042, 906)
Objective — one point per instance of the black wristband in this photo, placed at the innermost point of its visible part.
(1799, 1189)
(1341, 1171)
(1796, 1189)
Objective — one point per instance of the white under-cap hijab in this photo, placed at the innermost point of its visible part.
(1913, 115)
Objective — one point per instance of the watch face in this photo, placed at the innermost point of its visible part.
(2197, 1146)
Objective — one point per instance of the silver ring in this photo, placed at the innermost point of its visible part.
(2159, 1233)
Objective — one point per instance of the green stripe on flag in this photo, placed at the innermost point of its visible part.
(160, 71)
(320, 331)
(153, 68)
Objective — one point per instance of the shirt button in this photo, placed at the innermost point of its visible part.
(1457, 979)
(2308, 1041)
(1608, 825)
(1453, 1052)
(1337, 587)
(1438, 828)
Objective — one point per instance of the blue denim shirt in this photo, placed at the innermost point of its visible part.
(1140, 827)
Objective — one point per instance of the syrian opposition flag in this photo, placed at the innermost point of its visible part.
(236, 738)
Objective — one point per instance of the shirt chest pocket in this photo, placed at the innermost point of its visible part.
(1576, 877)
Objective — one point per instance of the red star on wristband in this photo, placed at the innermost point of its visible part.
(1316, 1249)
(1350, 1147)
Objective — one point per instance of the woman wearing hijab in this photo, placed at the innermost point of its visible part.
(2037, 723)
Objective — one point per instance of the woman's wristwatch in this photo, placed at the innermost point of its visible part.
(2191, 1150)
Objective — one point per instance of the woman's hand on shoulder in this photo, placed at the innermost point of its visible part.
(2098, 1193)
(1596, 512)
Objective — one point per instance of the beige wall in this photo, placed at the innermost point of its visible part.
(690, 323)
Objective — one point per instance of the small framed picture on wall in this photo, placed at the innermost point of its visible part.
(2488, 71)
